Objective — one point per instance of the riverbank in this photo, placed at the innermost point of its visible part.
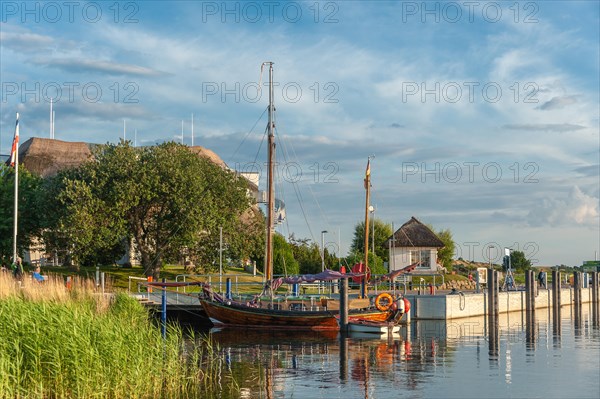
(74, 343)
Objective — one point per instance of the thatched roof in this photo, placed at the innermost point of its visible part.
(208, 154)
(414, 234)
(46, 157)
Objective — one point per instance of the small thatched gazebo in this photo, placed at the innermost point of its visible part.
(414, 243)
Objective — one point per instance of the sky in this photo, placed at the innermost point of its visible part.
(483, 117)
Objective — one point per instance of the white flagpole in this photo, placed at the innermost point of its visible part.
(53, 120)
(16, 191)
(192, 130)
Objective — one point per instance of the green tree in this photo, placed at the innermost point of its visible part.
(519, 262)
(168, 199)
(283, 257)
(445, 254)
(29, 224)
(383, 231)
(307, 254)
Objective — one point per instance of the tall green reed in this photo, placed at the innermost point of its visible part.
(77, 344)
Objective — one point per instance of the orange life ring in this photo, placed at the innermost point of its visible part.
(388, 301)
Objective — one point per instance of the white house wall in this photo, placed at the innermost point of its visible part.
(400, 258)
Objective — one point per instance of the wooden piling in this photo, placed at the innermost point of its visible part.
(577, 288)
(595, 299)
(493, 312)
(344, 305)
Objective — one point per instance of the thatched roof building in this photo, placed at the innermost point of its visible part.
(414, 234)
(47, 157)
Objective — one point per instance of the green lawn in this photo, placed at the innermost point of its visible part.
(118, 277)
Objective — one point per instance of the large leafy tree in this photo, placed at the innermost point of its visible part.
(29, 210)
(519, 262)
(383, 231)
(164, 197)
(81, 221)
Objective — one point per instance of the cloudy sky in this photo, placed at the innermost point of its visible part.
(482, 116)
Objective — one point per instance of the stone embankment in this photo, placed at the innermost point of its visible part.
(459, 285)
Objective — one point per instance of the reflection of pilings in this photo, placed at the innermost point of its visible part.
(343, 357)
(493, 312)
(530, 306)
(595, 300)
(556, 301)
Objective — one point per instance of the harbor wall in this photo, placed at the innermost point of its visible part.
(456, 306)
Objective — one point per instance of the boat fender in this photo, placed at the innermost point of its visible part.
(406, 305)
(383, 301)
(401, 305)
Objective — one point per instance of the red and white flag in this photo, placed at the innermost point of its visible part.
(15, 145)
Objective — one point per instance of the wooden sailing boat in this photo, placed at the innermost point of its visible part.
(286, 315)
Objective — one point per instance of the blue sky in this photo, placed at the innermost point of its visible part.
(482, 116)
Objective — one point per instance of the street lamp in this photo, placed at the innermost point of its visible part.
(323, 250)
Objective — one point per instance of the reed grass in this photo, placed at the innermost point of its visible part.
(60, 343)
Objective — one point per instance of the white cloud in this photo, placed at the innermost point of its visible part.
(577, 208)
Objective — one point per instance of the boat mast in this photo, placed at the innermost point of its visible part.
(270, 185)
(367, 200)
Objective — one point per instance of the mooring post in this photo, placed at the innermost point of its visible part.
(228, 288)
(163, 316)
(595, 304)
(493, 313)
(344, 306)
(577, 288)
(295, 289)
(530, 287)
(529, 294)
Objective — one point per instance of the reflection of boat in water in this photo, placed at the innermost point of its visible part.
(231, 336)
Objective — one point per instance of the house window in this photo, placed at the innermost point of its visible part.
(423, 258)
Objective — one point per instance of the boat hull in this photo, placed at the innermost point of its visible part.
(373, 327)
(245, 316)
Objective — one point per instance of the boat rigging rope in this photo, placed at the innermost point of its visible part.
(248, 134)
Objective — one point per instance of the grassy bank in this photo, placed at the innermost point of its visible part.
(73, 343)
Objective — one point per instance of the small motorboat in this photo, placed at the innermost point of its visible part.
(373, 327)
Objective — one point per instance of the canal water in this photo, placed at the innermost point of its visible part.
(428, 359)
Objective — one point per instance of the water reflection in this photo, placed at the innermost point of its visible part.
(421, 359)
